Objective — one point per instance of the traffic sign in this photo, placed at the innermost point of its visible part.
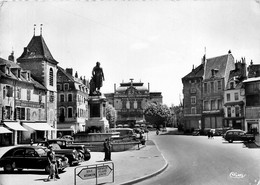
(89, 173)
(103, 171)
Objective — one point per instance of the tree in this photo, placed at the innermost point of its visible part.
(111, 115)
(157, 114)
(178, 113)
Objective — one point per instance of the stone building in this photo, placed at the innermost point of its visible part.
(192, 97)
(38, 59)
(234, 97)
(22, 99)
(72, 102)
(130, 100)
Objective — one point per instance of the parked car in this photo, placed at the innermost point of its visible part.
(71, 154)
(67, 137)
(30, 157)
(205, 131)
(238, 135)
(83, 151)
(196, 132)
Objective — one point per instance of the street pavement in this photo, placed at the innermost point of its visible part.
(130, 167)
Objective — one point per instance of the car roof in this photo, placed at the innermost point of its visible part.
(27, 146)
(235, 130)
(121, 129)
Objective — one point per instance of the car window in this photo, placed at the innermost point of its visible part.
(30, 152)
(241, 133)
(55, 146)
(229, 133)
(40, 151)
(19, 153)
(235, 133)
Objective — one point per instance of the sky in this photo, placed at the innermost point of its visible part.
(152, 41)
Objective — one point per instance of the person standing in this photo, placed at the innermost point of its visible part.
(107, 150)
(52, 161)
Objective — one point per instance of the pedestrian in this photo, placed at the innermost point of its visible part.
(209, 134)
(107, 150)
(53, 164)
(212, 134)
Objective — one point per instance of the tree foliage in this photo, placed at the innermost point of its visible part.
(111, 115)
(157, 114)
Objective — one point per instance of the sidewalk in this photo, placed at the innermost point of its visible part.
(130, 166)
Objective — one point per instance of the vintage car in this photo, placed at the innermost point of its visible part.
(30, 157)
(83, 151)
(238, 135)
(71, 154)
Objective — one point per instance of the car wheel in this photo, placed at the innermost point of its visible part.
(230, 141)
(8, 167)
(87, 157)
(47, 168)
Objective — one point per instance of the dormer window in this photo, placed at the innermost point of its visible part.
(19, 73)
(231, 85)
(28, 76)
(214, 72)
(7, 70)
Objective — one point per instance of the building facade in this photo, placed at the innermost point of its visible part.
(192, 98)
(130, 100)
(38, 59)
(72, 102)
(234, 97)
(22, 99)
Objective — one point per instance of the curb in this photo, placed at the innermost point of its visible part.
(145, 177)
(149, 175)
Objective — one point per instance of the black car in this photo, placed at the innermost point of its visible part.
(29, 157)
(238, 135)
(71, 154)
(68, 144)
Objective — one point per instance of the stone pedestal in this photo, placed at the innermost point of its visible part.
(97, 121)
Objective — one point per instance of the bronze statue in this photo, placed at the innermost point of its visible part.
(97, 79)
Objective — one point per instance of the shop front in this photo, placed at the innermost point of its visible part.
(252, 125)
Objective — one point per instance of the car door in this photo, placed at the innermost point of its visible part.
(31, 158)
(18, 158)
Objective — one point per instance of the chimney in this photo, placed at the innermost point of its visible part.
(69, 70)
(84, 81)
(115, 88)
(11, 57)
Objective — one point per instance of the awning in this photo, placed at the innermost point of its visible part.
(65, 127)
(234, 103)
(39, 126)
(4, 130)
(15, 126)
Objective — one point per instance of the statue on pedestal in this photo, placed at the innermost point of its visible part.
(96, 81)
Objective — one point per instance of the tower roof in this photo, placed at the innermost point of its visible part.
(37, 49)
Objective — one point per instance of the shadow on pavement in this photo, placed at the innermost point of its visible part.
(250, 145)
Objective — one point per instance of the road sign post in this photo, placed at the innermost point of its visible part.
(94, 171)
